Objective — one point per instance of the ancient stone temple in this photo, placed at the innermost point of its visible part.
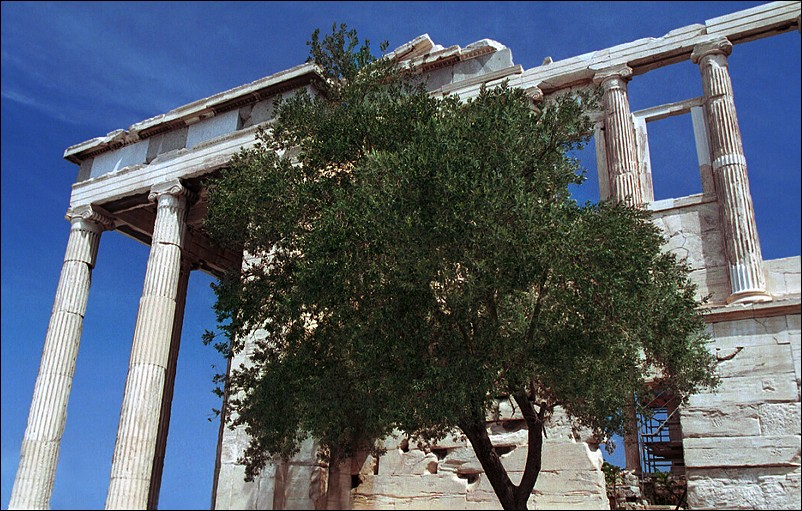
(737, 448)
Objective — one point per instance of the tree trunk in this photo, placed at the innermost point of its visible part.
(474, 429)
(534, 421)
(509, 495)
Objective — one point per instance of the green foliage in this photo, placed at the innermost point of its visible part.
(612, 476)
(666, 489)
(418, 256)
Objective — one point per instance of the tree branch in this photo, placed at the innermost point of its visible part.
(491, 305)
(530, 331)
(465, 336)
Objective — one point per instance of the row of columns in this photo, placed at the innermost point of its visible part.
(737, 215)
(145, 415)
(628, 183)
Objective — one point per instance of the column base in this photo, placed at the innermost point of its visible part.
(749, 296)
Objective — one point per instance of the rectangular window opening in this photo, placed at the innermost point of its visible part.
(677, 164)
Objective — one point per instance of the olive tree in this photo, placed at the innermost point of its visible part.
(421, 256)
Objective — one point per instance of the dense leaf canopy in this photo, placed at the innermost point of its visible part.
(414, 257)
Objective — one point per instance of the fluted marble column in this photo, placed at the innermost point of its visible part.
(169, 385)
(626, 183)
(33, 485)
(737, 213)
(137, 435)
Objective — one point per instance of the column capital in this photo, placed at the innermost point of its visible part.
(87, 212)
(617, 72)
(534, 93)
(173, 187)
(717, 46)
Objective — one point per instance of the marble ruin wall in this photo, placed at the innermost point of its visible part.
(447, 476)
(740, 446)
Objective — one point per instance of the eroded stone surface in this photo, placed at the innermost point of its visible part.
(756, 451)
(783, 276)
(742, 443)
(741, 488)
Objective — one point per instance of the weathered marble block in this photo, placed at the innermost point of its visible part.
(754, 331)
(212, 127)
(759, 451)
(744, 488)
(412, 462)
(165, 143)
(125, 156)
(725, 421)
(747, 389)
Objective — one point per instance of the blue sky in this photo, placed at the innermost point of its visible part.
(74, 71)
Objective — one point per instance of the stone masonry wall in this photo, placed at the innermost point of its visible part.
(693, 233)
(450, 477)
(447, 476)
(742, 443)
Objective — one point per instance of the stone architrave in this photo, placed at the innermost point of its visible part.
(626, 183)
(137, 435)
(33, 485)
(737, 213)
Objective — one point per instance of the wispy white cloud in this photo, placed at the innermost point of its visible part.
(51, 110)
(97, 69)
(20, 98)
